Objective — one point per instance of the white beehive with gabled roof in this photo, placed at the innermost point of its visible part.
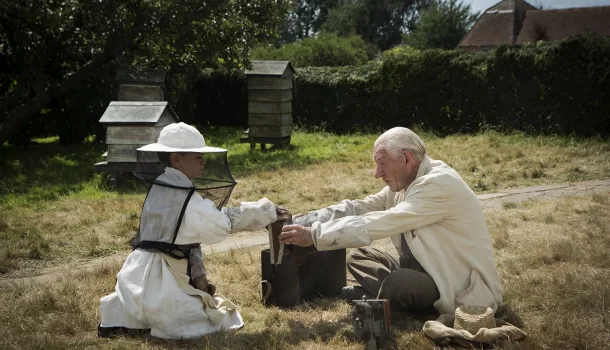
(135, 120)
(131, 125)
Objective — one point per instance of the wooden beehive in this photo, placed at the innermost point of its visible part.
(141, 86)
(135, 120)
(269, 103)
(131, 125)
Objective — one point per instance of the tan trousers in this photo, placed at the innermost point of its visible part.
(405, 284)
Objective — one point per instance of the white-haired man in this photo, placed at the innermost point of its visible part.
(435, 221)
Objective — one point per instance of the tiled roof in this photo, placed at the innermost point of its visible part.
(491, 30)
(518, 5)
(517, 22)
(561, 24)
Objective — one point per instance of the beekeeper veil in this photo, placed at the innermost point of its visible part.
(215, 182)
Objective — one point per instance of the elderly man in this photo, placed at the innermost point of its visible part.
(434, 220)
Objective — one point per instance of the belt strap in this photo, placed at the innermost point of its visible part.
(176, 251)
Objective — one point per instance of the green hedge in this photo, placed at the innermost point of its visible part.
(342, 99)
(560, 87)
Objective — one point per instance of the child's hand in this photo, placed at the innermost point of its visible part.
(204, 285)
(211, 289)
(282, 214)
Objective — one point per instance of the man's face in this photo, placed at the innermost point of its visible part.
(190, 164)
(398, 173)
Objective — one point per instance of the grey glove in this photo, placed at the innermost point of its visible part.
(198, 272)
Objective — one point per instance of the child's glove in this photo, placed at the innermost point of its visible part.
(252, 216)
(203, 284)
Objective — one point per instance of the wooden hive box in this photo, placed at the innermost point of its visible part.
(270, 102)
(135, 120)
(146, 85)
(131, 125)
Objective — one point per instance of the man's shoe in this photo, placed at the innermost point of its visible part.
(351, 293)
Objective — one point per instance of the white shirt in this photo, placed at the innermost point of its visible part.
(444, 227)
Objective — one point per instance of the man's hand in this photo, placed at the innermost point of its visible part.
(297, 235)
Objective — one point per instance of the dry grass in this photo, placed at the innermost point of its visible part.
(47, 218)
(67, 230)
(492, 161)
(553, 257)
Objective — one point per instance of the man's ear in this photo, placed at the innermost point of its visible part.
(407, 155)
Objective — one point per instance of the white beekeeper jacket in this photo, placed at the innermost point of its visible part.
(152, 289)
(443, 224)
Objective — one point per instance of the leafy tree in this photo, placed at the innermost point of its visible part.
(442, 25)
(49, 48)
(380, 22)
(325, 50)
(305, 19)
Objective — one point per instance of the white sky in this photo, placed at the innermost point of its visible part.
(482, 5)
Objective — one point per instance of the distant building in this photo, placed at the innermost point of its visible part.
(517, 22)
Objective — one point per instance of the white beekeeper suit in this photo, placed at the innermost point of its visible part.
(152, 289)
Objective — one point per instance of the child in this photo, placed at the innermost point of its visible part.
(163, 284)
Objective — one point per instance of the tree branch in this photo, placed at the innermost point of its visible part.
(115, 46)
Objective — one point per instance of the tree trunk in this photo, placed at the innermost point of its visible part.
(114, 46)
(21, 113)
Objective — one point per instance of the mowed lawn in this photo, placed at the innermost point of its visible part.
(553, 257)
(55, 210)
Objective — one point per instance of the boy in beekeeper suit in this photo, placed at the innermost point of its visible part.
(163, 283)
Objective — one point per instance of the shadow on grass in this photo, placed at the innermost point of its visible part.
(47, 171)
(244, 163)
(506, 313)
(292, 332)
(269, 338)
(278, 337)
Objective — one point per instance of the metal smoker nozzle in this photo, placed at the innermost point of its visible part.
(276, 249)
(298, 255)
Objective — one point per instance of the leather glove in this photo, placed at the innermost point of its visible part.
(204, 285)
(282, 214)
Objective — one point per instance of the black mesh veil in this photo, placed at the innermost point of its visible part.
(216, 182)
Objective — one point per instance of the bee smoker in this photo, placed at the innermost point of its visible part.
(291, 274)
(371, 321)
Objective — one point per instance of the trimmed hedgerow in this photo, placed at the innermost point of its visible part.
(559, 87)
